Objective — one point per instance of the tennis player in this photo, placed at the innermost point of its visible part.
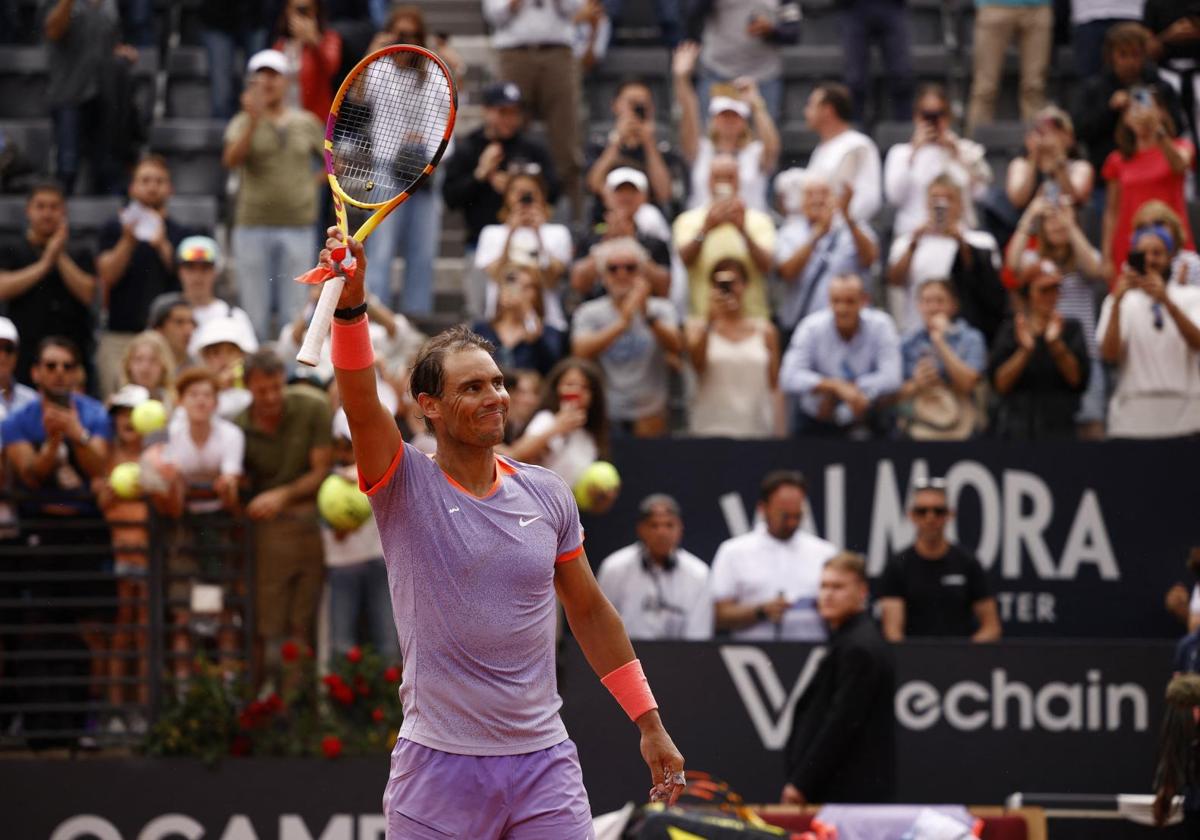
(476, 547)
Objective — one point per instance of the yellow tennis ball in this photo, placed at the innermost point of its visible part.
(599, 477)
(149, 417)
(342, 504)
(125, 480)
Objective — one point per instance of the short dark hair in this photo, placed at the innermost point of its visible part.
(632, 81)
(848, 561)
(162, 306)
(429, 368)
(837, 96)
(45, 185)
(152, 159)
(60, 341)
(648, 505)
(775, 479)
(265, 361)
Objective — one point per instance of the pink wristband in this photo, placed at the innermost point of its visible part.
(628, 685)
(350, 345)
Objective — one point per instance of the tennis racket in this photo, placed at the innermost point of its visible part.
(387, 129)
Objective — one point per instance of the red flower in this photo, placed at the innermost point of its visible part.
(273, 704)
(289, 651)
(246, 720)
(360, 685)
(331, 745)
(332, 680)
(392, 674)
(342, 694)
(240, 745)
(354, 654)
(308, 652)
(377, 715)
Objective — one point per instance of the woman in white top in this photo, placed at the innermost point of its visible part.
(736, 359)
(934, 148)
(739, 125)
(1185, 265)
(525, 235)
(570, 431)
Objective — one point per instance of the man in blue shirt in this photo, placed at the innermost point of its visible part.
(840, 362)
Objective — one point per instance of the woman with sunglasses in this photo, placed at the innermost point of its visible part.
(522, 338)
(1039, 363)
(736, 359)
(934, 149)
(1150, 329)
(314, 51)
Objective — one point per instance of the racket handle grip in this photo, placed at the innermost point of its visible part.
(322, 319)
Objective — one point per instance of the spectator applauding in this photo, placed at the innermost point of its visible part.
(49, 290)
(725, 228)
(275, 146)
(736, 358)
(764, 583)
(631, 334)
(1039, 363)
(136, 262)
(943, 362)
(945, 247)
(477, 172)
(660, 590)
(847, 158)
(313, 51)
(998, 22)
(287, 432)
(1151, 330)
(632, 142)
(1150, 163)
(1049, 165)
(840, 361)
(521, 337)
(754, 143)
(933, 587)
(933, 150)
(819, 240)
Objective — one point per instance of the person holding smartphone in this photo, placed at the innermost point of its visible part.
(1150, 330)
(522, 339)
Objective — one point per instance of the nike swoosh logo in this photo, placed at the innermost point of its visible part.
(452, 510)
(525, 521)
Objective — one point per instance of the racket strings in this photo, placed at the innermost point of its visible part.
(390, 126)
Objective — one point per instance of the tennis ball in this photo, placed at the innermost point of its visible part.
(149, 417)
(125, 480)
(600, 477)
(342, 504)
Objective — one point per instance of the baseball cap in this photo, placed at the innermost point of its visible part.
(220, 331)
(198, 249)
(8, 330)
(269, 60)
(728, 103)
(128, 396)
(627, 175)
(501, 93)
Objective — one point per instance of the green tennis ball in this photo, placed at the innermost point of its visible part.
(600, 477)
(149, 417)
(125, 480)
(342, 504)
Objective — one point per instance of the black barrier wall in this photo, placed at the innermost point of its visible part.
(1078, 539)
(974, 722)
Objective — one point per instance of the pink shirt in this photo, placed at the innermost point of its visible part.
(472, 584)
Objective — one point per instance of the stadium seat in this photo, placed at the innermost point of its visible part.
(34, 138)
(455, 17)
(798, 144)
(187, 84)
(193, 151)
(12, 219)
(803, 69)
(23, 82)
(195, 211)
(889, 133)
(1003, 140)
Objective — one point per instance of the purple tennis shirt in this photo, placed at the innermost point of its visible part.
(472, 585)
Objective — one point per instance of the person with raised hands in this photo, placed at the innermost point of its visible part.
(477, 638)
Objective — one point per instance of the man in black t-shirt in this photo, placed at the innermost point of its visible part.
(933, 587)
(48, 285)
(136, 263)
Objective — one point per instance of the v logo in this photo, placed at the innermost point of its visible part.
(750, 668)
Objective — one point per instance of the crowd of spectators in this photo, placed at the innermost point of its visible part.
(675, 273)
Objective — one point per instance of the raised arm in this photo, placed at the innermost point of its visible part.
(683, 63)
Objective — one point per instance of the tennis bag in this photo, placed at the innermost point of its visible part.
(677, 824)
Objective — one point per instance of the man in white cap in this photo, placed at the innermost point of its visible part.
(221, 345)
(276, 147)
(848, 158)
(136, 263)
(199, 261)
(13, 395)
(627, 212)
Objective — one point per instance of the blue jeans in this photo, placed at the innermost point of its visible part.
(361, 591)
(82, 129)
(669, 18)
(222, 70)
(771, 90)
(412, 230)
(885, 22)
(267, 260)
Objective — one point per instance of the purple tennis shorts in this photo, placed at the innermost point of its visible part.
(432, 795)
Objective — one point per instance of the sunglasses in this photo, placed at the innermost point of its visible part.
(53, 366)
(613, 268)
(938, 510)
(932, 116)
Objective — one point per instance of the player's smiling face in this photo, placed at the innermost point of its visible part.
(474, 403)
